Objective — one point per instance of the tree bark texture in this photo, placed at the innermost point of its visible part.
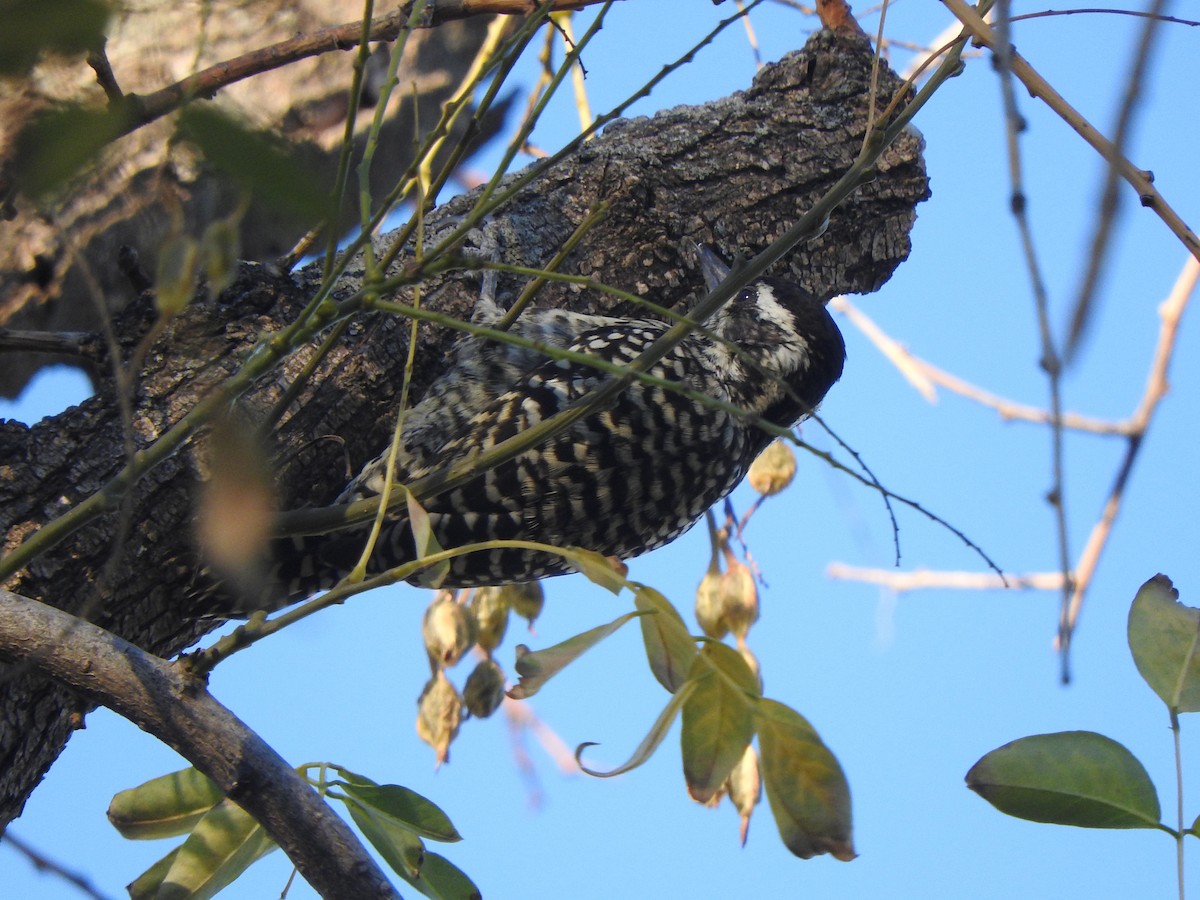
(734, 174)
(144, 184)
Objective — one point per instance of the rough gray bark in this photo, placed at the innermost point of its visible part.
(143, 182)
(734, 173)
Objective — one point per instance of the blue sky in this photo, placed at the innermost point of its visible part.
(910, 690)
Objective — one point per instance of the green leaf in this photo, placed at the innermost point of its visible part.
(220, 247)
(146, 885)
(1069, 778)
(399, 847)
(596, 568)
(733, 666)
(442, 880)
(220, 848)
(1163, 637)
(718, 719)
(670, 649)
(64, 26)
(58, 142)
(175, 275)
(535, 668)
(166, 806)
(406, 808)
(263, 163)
(806, 787)
(649, 743)
(425, 541)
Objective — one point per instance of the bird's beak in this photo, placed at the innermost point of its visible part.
(711, 266)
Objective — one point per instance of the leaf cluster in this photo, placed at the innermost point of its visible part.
(1089, 780)
(719, 699)
(223, 840)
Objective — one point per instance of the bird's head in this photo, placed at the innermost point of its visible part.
(788, 333)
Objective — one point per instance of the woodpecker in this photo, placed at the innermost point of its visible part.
(621, 481)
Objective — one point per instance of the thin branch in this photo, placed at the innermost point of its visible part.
(1170, 314)
(84, 344)
(206, 83)
(43, 863)
(98, 60)
(1100, 11)
(1156, 388)
(925, 377)
(1139, 179)
(924, 579)
(178, 710)
(1051, 362)
(1109, 196)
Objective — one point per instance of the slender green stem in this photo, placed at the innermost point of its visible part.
(259, 626)
(389, 480)
(372, 142)
(502, 61)
(343, 165)
(1180, 833)
(593, 218)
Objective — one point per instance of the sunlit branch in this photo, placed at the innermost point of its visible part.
(1169, 313)
(926, 378)
(924, 579)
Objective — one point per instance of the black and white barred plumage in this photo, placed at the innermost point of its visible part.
(621, 481)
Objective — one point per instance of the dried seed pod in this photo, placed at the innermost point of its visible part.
(448, 630)
(490, 609)
(526, 600)
(439, 713)
(739, 597)
(745, 788)
(774, 469)
(484, 691)
(709, 606)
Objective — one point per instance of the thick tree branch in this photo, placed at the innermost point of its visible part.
(179, 711)
(735, 173)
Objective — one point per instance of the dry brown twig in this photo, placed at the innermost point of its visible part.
(1170, 313)
(206, 83)
(924, 579)
(1133, 429)
(1139, 179)
(926, 378)
(1051, 359)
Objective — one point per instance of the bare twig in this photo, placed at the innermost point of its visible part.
(925, 377)
(83, 344)
(1170, 313)
(1109, 196)
(98, 60)
(141, 110)
(179, 711)
(43, 863)
(923, 579)
(1051, 362)
(1139, 179)
(1101, 11)
(1156, 388)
